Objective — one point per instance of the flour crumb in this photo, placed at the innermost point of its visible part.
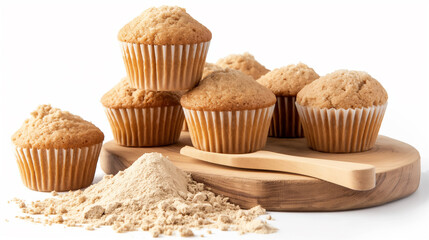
(258, 226)
(58, 219)
(89, 228)
(151, 195)
(93, 212)
(186, 232)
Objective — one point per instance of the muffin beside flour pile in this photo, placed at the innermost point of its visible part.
(56, 150)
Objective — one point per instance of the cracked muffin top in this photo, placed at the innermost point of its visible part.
(164, 25)
(343, 89)
(124, 96)
(228, 90)
(50, 127)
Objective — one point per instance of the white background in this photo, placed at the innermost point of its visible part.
(67, 54)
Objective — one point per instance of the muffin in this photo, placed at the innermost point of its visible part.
(140, 118)
(164, 49)
(245, 63)
(285, 83)
(56, 150)
(342, 111)
(228, 112)
(208, 69)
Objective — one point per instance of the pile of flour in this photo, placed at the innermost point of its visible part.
(151, 195)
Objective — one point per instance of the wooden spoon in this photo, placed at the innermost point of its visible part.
(356, 176)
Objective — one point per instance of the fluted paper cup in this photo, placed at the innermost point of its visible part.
(57, 169)
(146, 127)
(341, 130)
(241, 131)
(164, 67)
(285, 123)
(185, 126)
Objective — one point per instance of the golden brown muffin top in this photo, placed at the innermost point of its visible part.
(289, 80)
(228, 90)
(50, 127)
(210, 68)
(343, 89)
(245, 63)
(124, 96)
(163, 26)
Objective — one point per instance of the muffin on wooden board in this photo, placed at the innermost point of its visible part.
(56, 150)
(208, 69)
(140, 118)
(342, 111)
(164, 49)
(246, 63)
(285, 83)
(228, 112)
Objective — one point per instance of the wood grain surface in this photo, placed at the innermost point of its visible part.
(397, 166)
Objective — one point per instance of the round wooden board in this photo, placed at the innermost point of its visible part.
(397, 174)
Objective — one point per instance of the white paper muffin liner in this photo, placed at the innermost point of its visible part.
(229, 131)
(164, 67)
(57, 169)
(144, 127)
(341, 130)
(285, 122)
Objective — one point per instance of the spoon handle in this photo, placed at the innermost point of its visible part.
(356, 176)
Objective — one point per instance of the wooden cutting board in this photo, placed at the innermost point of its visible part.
(397, 174)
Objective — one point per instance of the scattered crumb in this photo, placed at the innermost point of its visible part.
(186, 232)
(89, 228)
